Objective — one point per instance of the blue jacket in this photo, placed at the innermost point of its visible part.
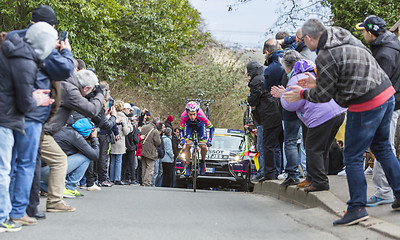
(169, 153)
(274, 72)
(18, 68)
(58, 66)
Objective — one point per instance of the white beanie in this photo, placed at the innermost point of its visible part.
(42, 37)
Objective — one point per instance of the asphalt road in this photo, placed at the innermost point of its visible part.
(131, 212)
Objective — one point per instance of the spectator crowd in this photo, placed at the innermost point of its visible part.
(62, 132)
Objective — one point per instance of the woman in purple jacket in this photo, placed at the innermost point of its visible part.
(320, 121)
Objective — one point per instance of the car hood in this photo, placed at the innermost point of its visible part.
(220, 154)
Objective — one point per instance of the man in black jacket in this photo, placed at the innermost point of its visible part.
(18, 69)
(129, 159)
(385, 48)
(267, 112)
(72, 140)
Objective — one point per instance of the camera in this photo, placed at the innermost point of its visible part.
(111, 102)
(63, 35)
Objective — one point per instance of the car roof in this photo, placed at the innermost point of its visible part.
(226, 131)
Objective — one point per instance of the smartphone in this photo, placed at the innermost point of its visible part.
(63, 35)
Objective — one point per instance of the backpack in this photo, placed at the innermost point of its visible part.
(161, 150)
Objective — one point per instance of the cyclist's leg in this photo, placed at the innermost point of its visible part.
(188, 140)
(201, 129)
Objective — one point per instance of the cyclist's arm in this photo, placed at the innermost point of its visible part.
(207, 122)
(184, 118)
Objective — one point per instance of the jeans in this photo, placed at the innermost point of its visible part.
(302, 153)
(270, 144)
(23, 166)
(260, 149)
(291, 131)
(157, 175)
(369, 129)
(115, 167)
(379, 180)
(6, 146)
(77, 165)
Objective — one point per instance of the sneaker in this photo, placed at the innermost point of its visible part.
(342, 173)
(61, 207)
(134, 183)
(188, 169)
(282, 176)
(94, 188)
(202, 168)
(25, 220)
(355, 216)
(396, 204)
(106, 184)
(83, 187)
(256, 178)
(368, 171)
(375, 201)
(77, 194)
(68, 193)
(9, 226)
(290, 181)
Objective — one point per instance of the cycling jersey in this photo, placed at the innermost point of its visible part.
(198, 125)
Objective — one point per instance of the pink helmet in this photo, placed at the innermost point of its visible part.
(192, 106)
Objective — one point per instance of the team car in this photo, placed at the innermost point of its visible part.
(227, 165)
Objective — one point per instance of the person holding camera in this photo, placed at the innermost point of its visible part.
(104, 121)
(119, 147)
(73, 92)
(81, 145)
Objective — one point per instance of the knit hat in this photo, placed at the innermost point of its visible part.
(83, 126)
(42, 37)
(44, 13)
(170, 118)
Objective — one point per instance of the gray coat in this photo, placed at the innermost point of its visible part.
(72, 100)
(151, 142)
(124, 129)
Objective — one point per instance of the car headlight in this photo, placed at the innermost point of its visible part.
(182, 156)
(234, 159)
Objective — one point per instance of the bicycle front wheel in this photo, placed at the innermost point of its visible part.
(195, 166)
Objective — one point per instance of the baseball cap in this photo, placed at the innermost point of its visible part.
(373, 24)
(127, 105)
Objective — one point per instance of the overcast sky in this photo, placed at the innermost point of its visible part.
(245, 25)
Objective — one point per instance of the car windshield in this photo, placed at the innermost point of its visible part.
(226, 142)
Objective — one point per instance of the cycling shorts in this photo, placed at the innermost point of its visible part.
(201, 130)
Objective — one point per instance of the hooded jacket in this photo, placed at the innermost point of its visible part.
(274, 71)
(311, 114)
(267, 111)
(71, 142)
(386, 50)
(347, 72)
(57, 66)
(18, 68)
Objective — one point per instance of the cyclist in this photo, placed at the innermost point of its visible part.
(193, 118)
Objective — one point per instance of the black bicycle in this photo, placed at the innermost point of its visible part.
(195, 156)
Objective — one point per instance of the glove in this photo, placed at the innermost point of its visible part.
(209, 142)
(182, 142)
